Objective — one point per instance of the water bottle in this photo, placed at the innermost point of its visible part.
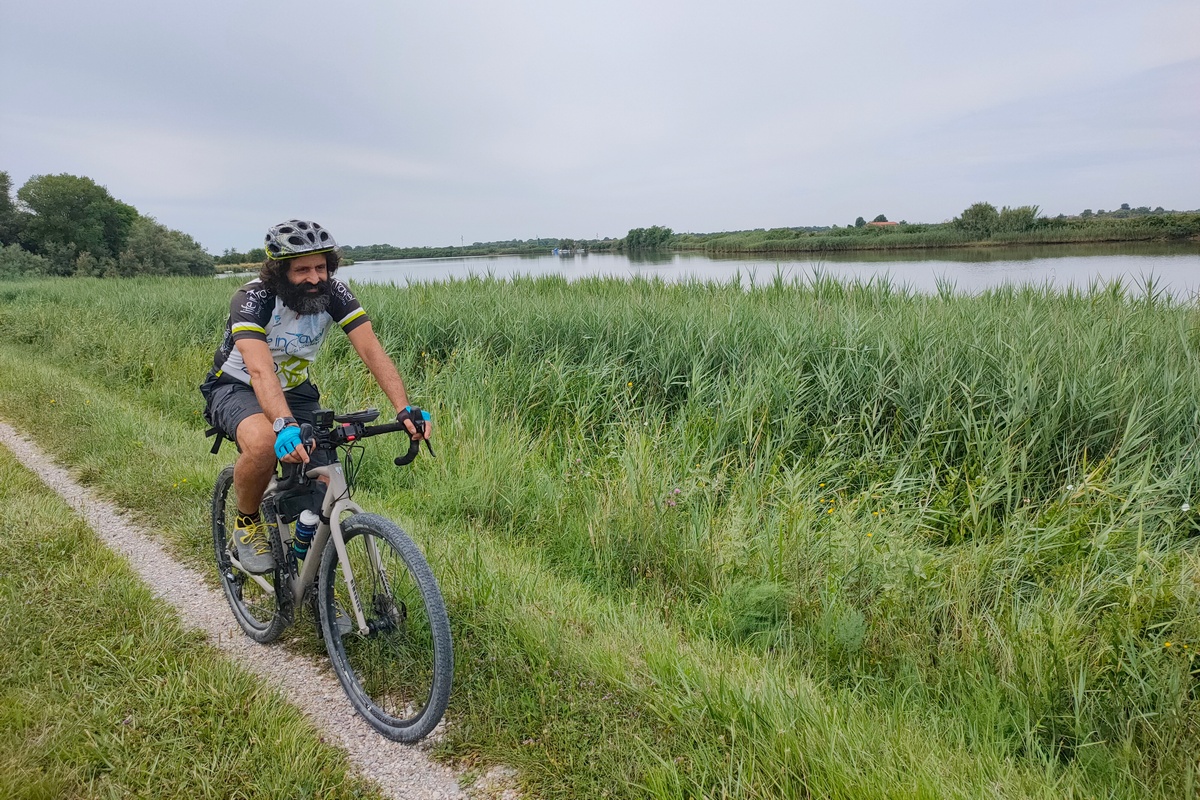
(306, 526)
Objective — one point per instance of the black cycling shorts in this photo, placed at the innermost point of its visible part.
(229, 402)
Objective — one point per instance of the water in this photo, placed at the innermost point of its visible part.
(1174, 268)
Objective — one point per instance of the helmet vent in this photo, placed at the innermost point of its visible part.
(297, 237)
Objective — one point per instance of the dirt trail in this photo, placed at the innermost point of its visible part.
(401, 771)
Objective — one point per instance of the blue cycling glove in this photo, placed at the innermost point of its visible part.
(286, 441)
(410, 412)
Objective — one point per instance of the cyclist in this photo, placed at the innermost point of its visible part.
(258, 389)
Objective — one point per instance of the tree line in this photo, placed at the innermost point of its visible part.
(256, 255)
(70, 225)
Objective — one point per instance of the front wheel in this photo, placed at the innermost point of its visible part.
(259, 603)
(397, 672)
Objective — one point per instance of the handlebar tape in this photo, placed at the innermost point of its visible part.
(418, 418)
(414, 447)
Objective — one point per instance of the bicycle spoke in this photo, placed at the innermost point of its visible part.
(398, 672)
(251, 597)
(394, 661)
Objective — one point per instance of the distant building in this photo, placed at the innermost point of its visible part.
(881, 224)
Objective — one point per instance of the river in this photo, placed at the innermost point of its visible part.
(1174, 268)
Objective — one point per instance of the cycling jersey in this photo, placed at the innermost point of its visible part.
(258, 313)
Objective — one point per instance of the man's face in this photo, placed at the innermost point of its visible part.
(308, 271)
(307, 291)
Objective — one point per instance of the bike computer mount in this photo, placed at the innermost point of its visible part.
(324, 418)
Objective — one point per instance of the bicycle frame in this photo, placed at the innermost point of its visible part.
(337, 503)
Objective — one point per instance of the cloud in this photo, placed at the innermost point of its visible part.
(423, 124)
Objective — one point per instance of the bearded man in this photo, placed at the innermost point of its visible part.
(258, 390)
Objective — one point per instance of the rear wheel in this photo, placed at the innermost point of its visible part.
(398, 671)
(256, 604)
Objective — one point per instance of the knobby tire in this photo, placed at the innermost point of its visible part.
(262, 616)
(398, 675)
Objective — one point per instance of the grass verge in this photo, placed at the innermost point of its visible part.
(103, 694)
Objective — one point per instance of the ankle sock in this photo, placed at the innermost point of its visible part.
(246, 520)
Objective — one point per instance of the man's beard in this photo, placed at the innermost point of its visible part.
(305, 298)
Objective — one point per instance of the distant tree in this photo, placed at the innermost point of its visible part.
(60, 258)
(1021, 218)
(980, 219)
(87, 265)
(70, 213)
(652, 238)
(16, 260)
(1158, 210)
(1087, 213)
(10, 217)
(1124, 206)
(859, 222)
(231, 256)
(880, 218)
(155, 249)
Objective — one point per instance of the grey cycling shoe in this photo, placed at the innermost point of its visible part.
(254, 548)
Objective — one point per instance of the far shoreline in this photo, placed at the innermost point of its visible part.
(914, 248)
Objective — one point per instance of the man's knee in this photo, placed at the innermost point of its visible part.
(256, 439)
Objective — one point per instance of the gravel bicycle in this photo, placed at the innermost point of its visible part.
(379, 608)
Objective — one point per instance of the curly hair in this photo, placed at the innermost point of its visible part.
(273, 274)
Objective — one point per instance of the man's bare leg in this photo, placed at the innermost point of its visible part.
(256, 463)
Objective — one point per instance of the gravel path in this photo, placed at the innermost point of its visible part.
(401, 771)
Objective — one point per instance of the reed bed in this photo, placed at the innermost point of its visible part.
(842, 539)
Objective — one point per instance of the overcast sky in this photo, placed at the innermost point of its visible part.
(435, 123)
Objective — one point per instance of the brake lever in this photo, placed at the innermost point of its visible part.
(418, 418)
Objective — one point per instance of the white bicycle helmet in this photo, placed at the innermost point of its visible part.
(297, 237)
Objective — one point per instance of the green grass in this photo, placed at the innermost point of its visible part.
(102, 693)
(840, 540)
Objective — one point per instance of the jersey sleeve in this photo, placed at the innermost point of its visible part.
(249, 312)
(345, 309)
